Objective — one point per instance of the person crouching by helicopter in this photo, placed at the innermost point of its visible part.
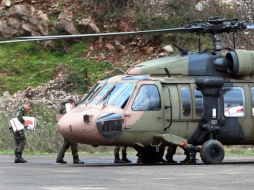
(19, 136)
(124, 155)
(190, 158)
(65, 107)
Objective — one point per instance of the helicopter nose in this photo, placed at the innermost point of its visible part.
(80, 126)
(92, 125)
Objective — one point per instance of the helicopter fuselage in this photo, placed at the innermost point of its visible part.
(174, 100)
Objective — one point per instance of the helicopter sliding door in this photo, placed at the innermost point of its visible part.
(183, 109)
(144, 110)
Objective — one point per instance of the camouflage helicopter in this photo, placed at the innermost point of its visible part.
(199, 101)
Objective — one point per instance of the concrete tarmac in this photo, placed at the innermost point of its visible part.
(99, 173)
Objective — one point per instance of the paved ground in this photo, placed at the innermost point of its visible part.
(101, 174)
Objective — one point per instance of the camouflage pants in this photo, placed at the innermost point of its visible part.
(170, 152)
(117, 150)
(66, 145)
(20, 141)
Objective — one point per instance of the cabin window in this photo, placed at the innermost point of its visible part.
(252, 100)
(186, 101)
(198, 102)
(234, 102)
(147, 99)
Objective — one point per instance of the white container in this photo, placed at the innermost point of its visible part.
(17, 126)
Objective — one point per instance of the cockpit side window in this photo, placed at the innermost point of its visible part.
(233, 102)
(92, 92)
(147, 99)
(186, 101)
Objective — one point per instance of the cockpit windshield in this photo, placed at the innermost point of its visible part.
(92, 92)
(101, 94)
(119, 95)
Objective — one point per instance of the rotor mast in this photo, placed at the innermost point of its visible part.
(217, 42)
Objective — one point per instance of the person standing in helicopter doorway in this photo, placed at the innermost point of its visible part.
(65, 107)
(124, 155)
(19, 136)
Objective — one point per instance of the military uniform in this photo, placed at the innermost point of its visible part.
(124, 155)
(19, 136)
(67, 144)
(74, 149)
(170, 153)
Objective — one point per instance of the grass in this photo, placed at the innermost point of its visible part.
(29, 64)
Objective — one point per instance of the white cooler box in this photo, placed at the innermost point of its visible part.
(17, 126)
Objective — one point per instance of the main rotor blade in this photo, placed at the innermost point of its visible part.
(172, 30)
(24, 40)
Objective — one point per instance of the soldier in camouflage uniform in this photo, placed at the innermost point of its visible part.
(19, 136)
(124, 155)
(189, 159)
(67, 143)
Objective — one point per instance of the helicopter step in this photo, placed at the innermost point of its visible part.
(173, 139)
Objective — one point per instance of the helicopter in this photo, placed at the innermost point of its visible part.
(199, 101)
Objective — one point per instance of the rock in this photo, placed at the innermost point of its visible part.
(14, 23)
(89, 22)
(5, 30)
(6, 3)
(23, 19)
(50, 94)
(168, 49)
(109, 46)
(65, 23)
(21, 11)
(199, 7)
(43, 16)
(6, 94)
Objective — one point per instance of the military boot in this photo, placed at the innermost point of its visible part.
(19, 159)
(189, 159)
(169, 158)
(125, 159)
(22, 158)
(60, 161)
(117, 159)
(76, 160)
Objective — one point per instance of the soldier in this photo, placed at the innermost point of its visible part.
(190, 157)
(19, 136)
(66, 106)
(170, 153)
(124, 155)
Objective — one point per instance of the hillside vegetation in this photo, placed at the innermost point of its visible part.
(28, 64)
(31, 64)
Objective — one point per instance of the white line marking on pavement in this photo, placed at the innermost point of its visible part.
(74, 188)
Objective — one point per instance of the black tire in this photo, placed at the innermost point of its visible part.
(212, 152)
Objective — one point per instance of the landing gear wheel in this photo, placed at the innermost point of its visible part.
(212, 152)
